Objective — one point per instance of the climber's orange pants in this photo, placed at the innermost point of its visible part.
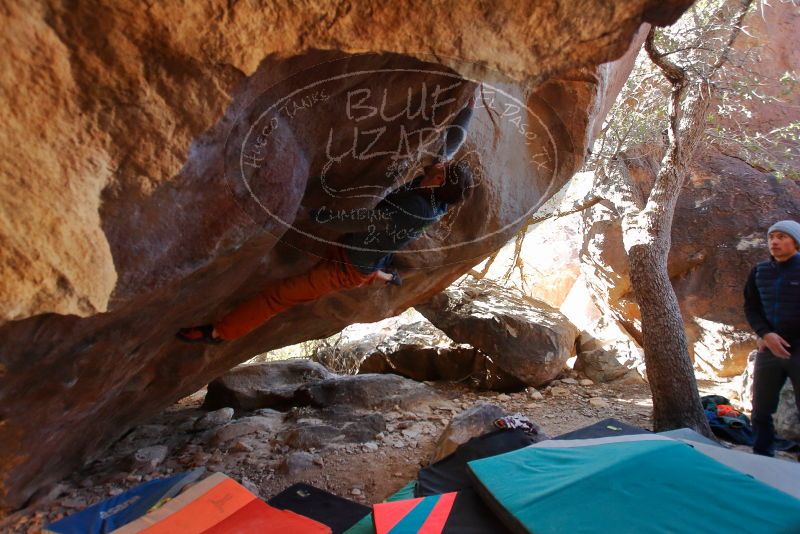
(328, 276)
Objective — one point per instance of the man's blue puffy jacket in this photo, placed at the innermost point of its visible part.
(772, 298)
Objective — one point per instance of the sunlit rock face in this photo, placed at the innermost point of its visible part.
(719, 231)
(718, 235)
(723, 213)
(155, 161)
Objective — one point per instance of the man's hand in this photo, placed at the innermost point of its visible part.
(777, 345)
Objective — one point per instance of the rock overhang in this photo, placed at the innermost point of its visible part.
(159, 238)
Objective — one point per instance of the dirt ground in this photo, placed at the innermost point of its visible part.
(364, 472)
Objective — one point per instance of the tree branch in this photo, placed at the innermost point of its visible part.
(584, 204)
(737, 28)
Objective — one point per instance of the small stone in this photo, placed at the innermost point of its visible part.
(370, 446)
(115, 491)
(200, 458)
(555, 382)
(503, 397)
(214, 419)
(250, 486)
(148, 458)
(318, 461)
(356, 491)
(411, 433)
(597, 402)
(241, 446)
(586, 382)
(534, 394)
(55, 492)
(266, 423)
(133, 478)
(569, 381)
(307, 421)
(73, 503)
(559, 392)
(297, 462)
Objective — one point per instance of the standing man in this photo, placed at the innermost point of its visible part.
(772, 307)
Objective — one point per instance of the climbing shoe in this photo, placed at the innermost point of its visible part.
(199, 334)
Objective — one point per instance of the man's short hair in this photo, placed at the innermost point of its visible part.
(458, 183)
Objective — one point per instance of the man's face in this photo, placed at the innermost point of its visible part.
(782, 246)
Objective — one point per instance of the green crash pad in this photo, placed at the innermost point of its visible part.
(632, 487)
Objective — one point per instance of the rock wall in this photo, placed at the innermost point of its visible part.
(729, 201)
(544, 264)
(772, 62)
(127, 212)
(718, 231)
(718, 234)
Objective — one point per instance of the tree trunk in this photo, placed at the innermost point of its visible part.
(669, 370)
(647, 240)
(646, 229)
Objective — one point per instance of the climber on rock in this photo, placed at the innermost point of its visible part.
(363, 254)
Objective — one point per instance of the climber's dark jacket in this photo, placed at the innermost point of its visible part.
(772, 298)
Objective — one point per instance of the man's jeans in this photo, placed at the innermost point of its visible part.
(769, 376)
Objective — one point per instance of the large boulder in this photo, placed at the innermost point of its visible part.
(607, 365)
(418, 350)
(136, 124)
(718, 235)
(267, 423)
(525, 338)
(608, 353)
(473, 422)
(786, 418)
(262, 385)
(718, 229)
(371, 392)
(727, 204)
(335, 425)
